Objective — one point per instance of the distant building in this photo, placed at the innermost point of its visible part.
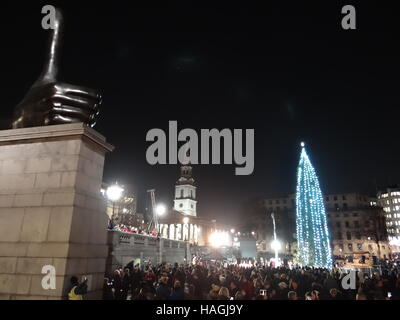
(185, 193)
(355, 223)
(182, 223)
(389, 200)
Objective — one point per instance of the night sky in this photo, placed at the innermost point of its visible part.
(289, 71)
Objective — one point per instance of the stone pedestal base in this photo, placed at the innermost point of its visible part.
(51, 210)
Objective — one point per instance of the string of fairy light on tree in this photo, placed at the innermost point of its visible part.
(311, 224)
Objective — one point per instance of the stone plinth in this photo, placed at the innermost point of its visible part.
(51, 209)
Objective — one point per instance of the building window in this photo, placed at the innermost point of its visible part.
(355, 214)
(348, 235)
(344, 197)
(335, 198)
(358, 236)
(340, 236)
(370, 247)
(181, 205)
(336, 206)
(338, 224)
(181, 193)
(345, 206)
(327, 199)
(356, 224)
(350, 246)
(359, 246)
(347, 224)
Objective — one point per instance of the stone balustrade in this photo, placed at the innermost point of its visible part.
(128, 247)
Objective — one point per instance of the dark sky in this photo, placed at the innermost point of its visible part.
(288, 71)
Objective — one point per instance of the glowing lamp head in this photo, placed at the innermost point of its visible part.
(185, 220)
(160, 210)
(232, 230)
(219, 239)
(276, 245)
(302, 144)
(114, 193)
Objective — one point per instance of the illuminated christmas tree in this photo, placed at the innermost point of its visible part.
(312, 229)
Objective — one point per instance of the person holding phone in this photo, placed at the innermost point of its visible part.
(77, 290)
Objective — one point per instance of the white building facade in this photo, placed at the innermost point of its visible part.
(389, 200)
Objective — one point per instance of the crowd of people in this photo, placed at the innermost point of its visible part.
(130, 229)
(218, 282)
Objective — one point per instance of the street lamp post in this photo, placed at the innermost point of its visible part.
(186, 227)
(275, 243)
(159, 212)
(186, 231)
(114, 193)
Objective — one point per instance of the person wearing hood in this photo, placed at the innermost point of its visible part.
(177, 291)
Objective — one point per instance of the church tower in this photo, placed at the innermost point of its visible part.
(185, 193)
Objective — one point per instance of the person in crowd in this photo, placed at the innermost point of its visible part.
(292, 295)
(361, 296)
(117, 285)
(125, 284)
(223, 294)
(233, 288)
(107, 290)
(178, 292)
(76, 290)
(163, 291)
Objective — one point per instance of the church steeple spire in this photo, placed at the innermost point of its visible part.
(185, 192)
(186, 175)
(186, 172)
